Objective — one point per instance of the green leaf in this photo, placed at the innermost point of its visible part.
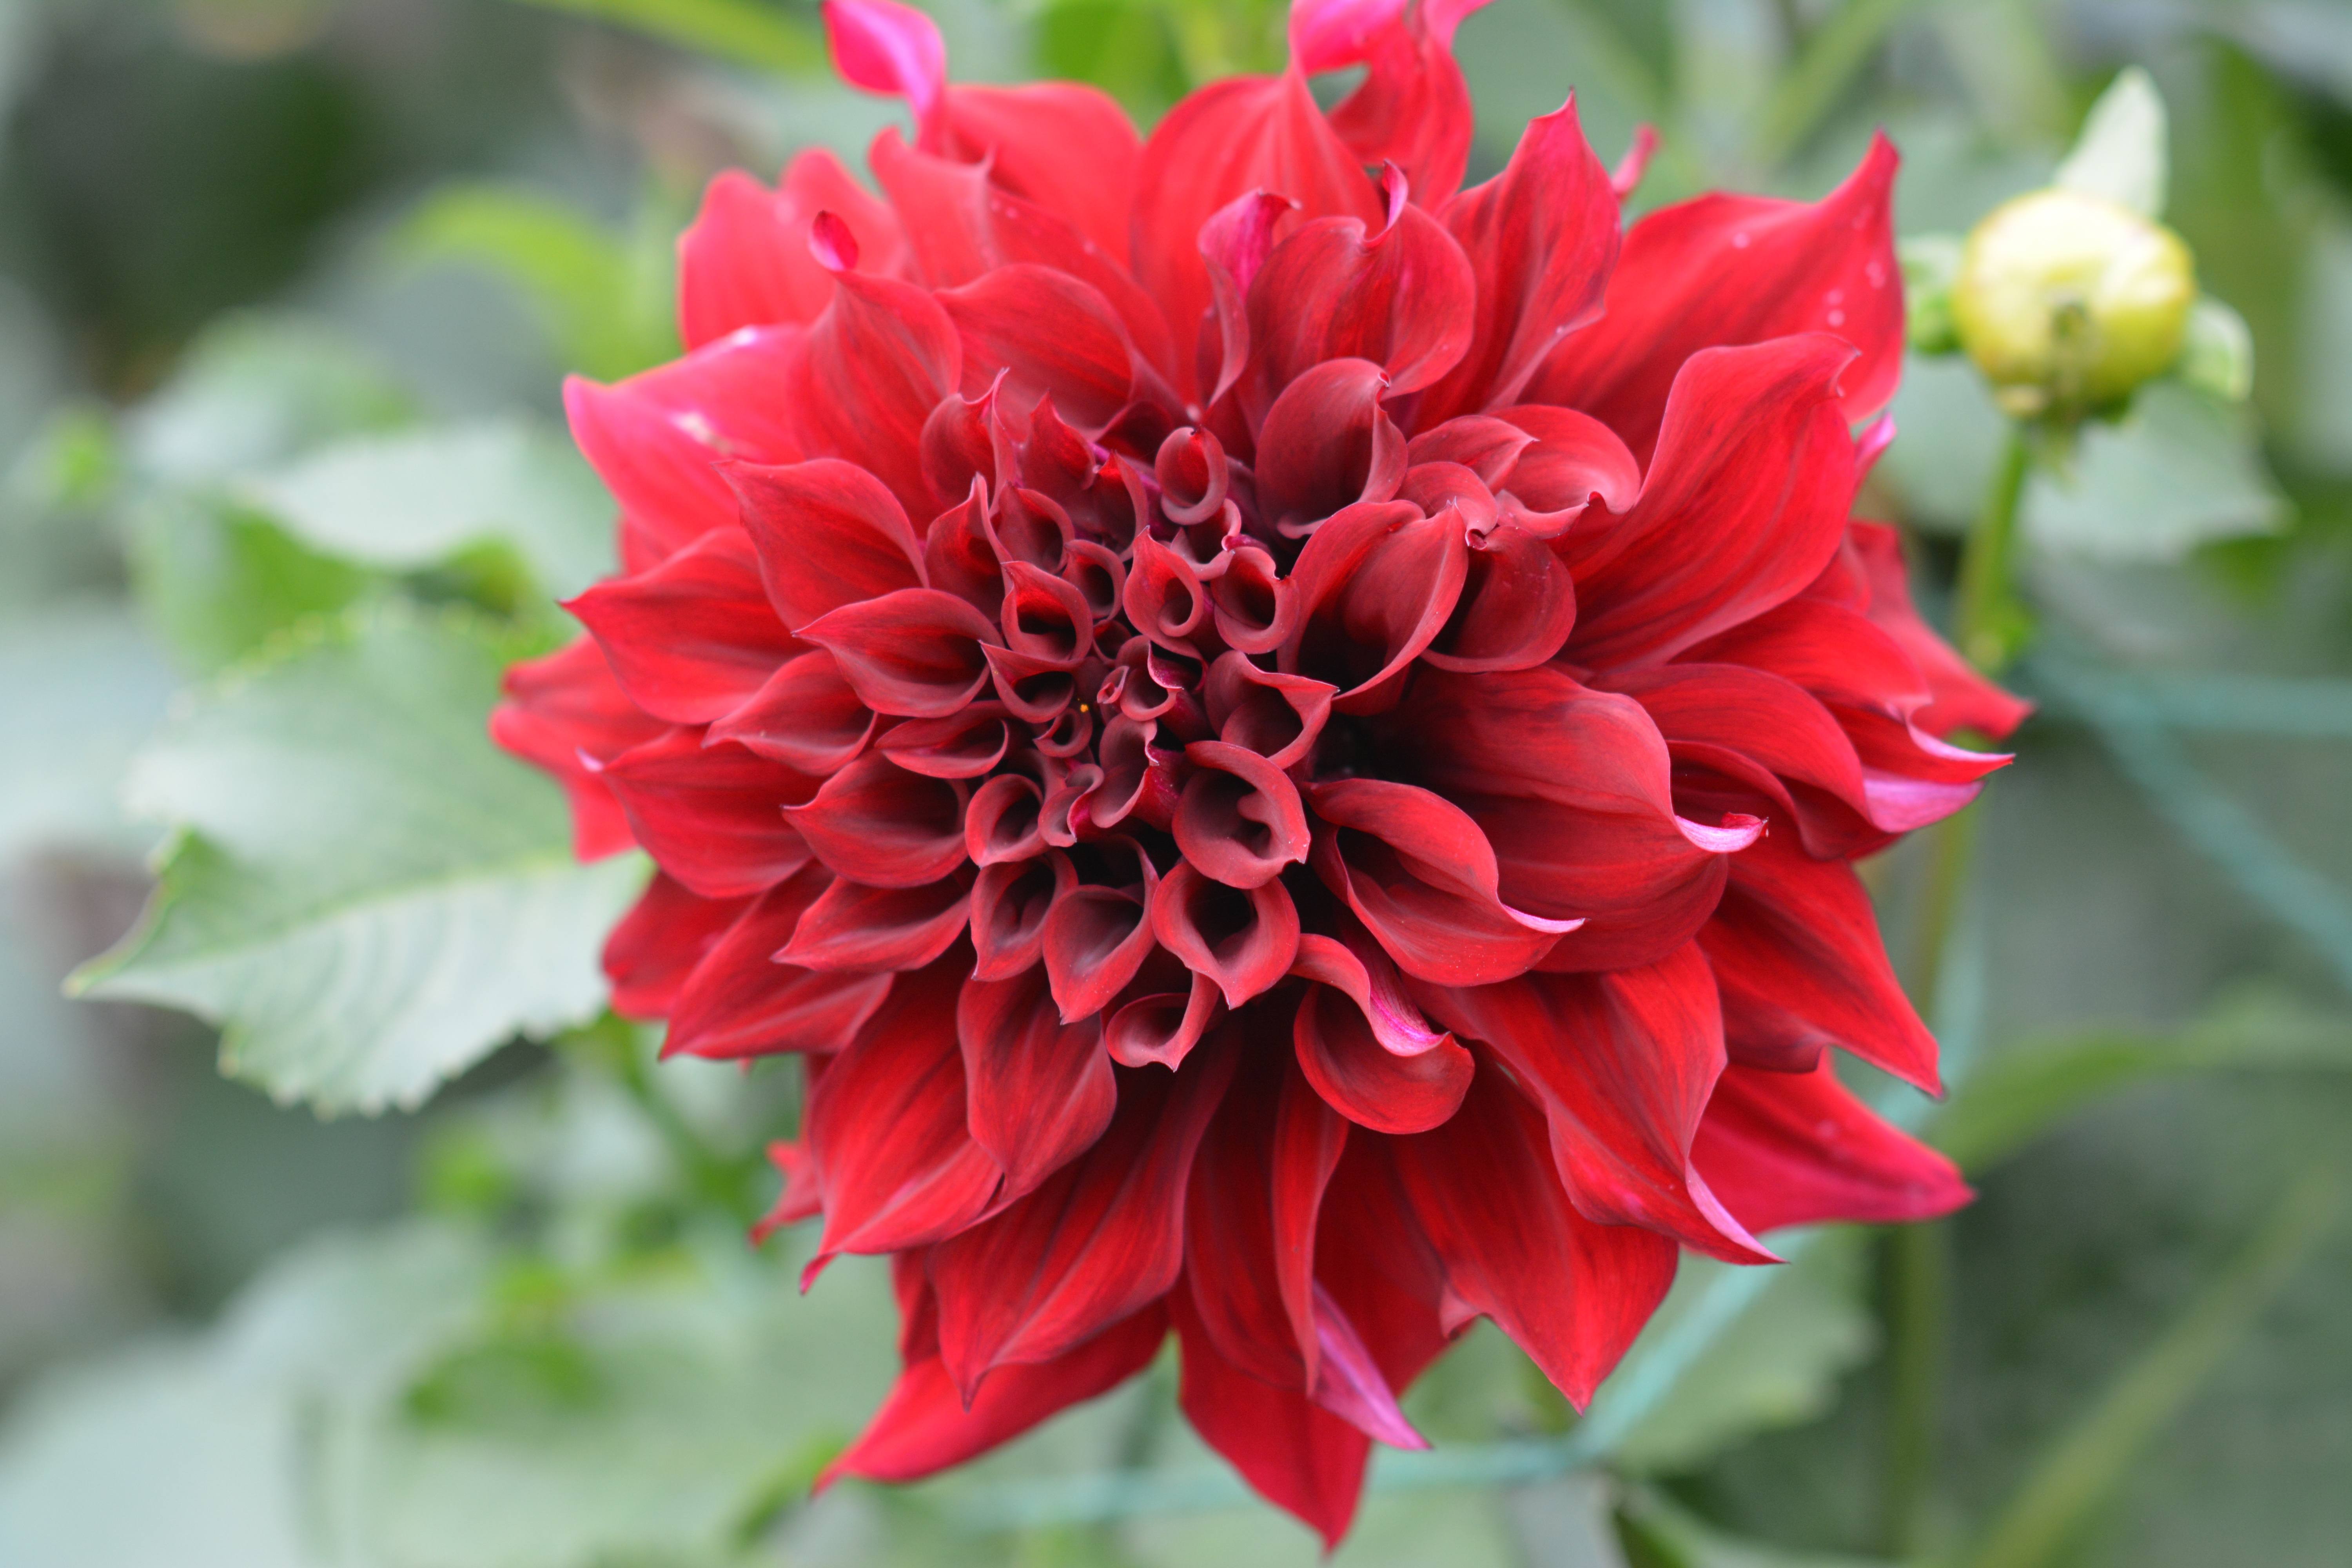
(2089, 1458)
(606, 304)
(217, 580)
(254, 390)
(2029, 1088)
(360, 888)
(1775, 1365)
(2180, 470)
(2121, 153)
(413, 498)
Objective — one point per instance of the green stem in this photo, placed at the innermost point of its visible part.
(1985, 617)
(1918, 1257)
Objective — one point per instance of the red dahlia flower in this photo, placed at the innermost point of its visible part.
(1283, 740)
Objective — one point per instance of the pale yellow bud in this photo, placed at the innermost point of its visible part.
(2069, 301)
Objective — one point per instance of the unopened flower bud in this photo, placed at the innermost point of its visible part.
(2069, 301)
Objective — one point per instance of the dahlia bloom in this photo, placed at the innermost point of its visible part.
(1283, 739)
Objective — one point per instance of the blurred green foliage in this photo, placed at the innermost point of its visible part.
(287, 288)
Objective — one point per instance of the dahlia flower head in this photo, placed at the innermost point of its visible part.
(1284, 740)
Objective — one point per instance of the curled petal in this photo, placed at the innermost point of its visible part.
(876, 823)
(1276, 715)
(1244, 939)
(1165, 599)
(745, 262)
(1032, 687)
(1004, 821)
(1239, 819)
(1573, 461)
(853, 927)
(1255, 606)
(1045, 617)
(1009, 904)
(1517, 608)
(1097, 937)
(1364, 1081)
(1137, 781)
(1194, 475)
(1160, 1028)
(1424, 879)
(806, 716)
(895, 1164)
(1327, 444)
(963, 745)
(1099, 576)
(1040, 1088)
(917, 652)
(1376, 586)
(1401, 297)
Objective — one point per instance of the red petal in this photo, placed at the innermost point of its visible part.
(713, 817)
(694, 638)
(963, 745)
(1412, 109)
(1064, 146)
(917, 652)
(1084, 363)
(1009, 905)
(878, 363)
(1402, 297)
(1754, 475)
(1097, 937)
(1103, 1236)
(807, 717)
(1327, 443)
(1423, 878)
(876, 823)
(1364, 1081)
(1570, 1293)
(1786, 1148)
(1297, 1455)
(1243, 940)
(740, 1002)
(1796, 950)
(1239, 819)
(924, 1425)
(1517, 608)
(565, 713)
(1004, 821)
(1276, 715)
(1962, 699)
(1040, 1090)
(829, 535)
(855, 927)
(885, 1127)
(1230, 138)
(745, 262)
(657, 943)
(1376, 584)
(1541, 237)
(1623, 1064)
(1725, 270)
(889, 49)
(1158, 1028)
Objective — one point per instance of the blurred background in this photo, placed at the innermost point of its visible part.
(407, 1258)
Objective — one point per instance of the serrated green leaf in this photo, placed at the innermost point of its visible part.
(361, 889)
(2121, 153)
(413, 498)
(2180, 470)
